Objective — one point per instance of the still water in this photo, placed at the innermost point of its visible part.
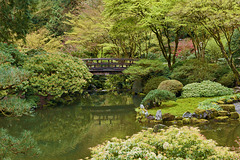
(66, 132)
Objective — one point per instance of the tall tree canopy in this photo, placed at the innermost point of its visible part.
(15, 19)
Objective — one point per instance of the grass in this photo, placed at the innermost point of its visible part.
(180, 106)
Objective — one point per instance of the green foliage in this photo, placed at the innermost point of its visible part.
(205, 89)
(210, 106)
(15, 18)
(15, 106)
(153, 83)
(9, 54)
(173, 143)
(194, 71)
(213, 52)
(173, 86)
(145, 68)
(56, 75)
(13, 148)
(117, 82)
(227, 80)
(157, 97)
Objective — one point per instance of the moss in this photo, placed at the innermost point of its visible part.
(168, 117)
(179, 107)
(173, 86)
(186, 120)
(202, 121)
(234, 115)
(228, 107)
(229, 101)
(222, 113)
(220, 102)
(221, 119)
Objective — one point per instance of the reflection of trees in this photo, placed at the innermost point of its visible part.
(223, 134)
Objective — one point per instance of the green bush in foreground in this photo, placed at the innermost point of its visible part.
(173, 86)
(153, 83)
(173, 143)
(205, 89)
(157, 97)
(12, 148)
(55, 76)
(15, 106)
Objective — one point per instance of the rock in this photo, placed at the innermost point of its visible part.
(187, 115)
(234, 98)
(158, 127)
(146, 113)
(168, 117)
(142, 106)
(194, 115)
(194, 120)
(150, 117)
(215, 112)
(202, 121)
(159, 115)
(186, 121)
(234, 115)
(229, 101)
(221, 119)
(180, 122)
(178, 118)
(210, 114)
(170, 122)
(220, 102)
(222, 113)
(205, 115)
(228, 107)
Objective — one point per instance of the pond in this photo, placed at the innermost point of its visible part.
(66, 132)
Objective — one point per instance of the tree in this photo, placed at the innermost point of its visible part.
(15, 19)
(151, 14)
(220, 18)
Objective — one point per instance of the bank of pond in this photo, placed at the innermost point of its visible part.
(67, 132)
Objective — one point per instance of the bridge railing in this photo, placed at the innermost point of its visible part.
(108, 63)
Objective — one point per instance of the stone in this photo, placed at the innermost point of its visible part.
(228, 107)
(220, 102)
(194, 120)
(187, 115)
(194, 115)
(178, 118)
(186, 121)
(202, 121)
(205, 115)
(229, 101)
(142, 106)
(222, 113)
(210, 114)
(168, 117)
(180, 122)
(146, 113)
(150, 117)
(234, 115)
(221, 119)
(158, 127)
(170, 122)
(215, 112)
(158, 115)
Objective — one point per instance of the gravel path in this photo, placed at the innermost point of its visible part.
(237, 107)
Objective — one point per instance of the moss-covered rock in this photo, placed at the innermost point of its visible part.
(229, 101)
(194, 120)
(215, 112)
(186, 120)
(168, 117)
(222, 113)
(228, 107)
(202, 121)
(234, 115)
(234, 98)
(220, 102)
(221, 119)
(178, 118)
(170, 122)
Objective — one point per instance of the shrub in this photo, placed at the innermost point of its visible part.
(56, 75)
(157, 96)
(15, 106)
(227, 80)
(153, 83)
(173, 86)
(173, 143)
(205, 89)
(194, 71)
(12, 148)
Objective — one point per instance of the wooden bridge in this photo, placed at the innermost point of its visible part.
(105, 66)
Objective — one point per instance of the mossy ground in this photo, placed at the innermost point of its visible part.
(179, 107)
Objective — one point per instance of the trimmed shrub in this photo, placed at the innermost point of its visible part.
(173, 86)
(157, 97)
(173, 143)
(194, 71)
(153, 83)
(56, 75)
(227, 80)
(205, 89)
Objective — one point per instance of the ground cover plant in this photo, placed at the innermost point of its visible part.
(153, 83)
(205, 89)
(172, 143)
(173, 86)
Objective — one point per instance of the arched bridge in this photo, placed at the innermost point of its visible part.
(105, 66)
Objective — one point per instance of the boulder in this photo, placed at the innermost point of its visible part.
(229, 101)
(187, 115)
(221, 119)
(158, 115)
(228, 107)
(222, 113)
(158, 127)
(234, 115)
(168, 117)
(210, 114)
(150, 117)
(194, 115)
(186, 120)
